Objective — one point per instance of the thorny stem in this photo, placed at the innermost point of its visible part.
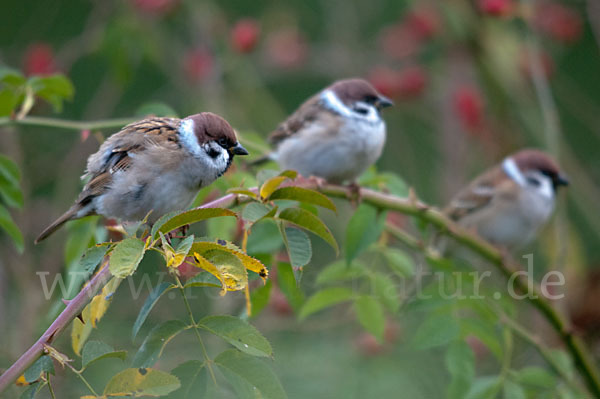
(66, 124)
(196, 330)
(82, 378)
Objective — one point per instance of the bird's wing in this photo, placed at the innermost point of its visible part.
(115, 154)
(478, 195)
(306, 114)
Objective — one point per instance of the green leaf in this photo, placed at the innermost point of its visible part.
(437, 330)
(370, 315)
(364, 228)
(156, 109)
(288, 285)
(203, 279)
(189, 217)
(399, 262)
(265, 238)
(9, 170)
(86, 265)
(386, 291)
(155, 342)
(253, 371)
(193, 377)
(96, 350)
(238, 333)
(340, 271)
(325, 298)
(11, 229)
(43, 365)
(298, 246)
(260, 297)
(11, 76)
(243, 191)
(141, 382)
(255, 211)
(460, 362)
(271, 185)
(484, 388)
(485, 332)
(265, 174)
(9, 99)
(536, 376)
(154, 296)
(563, 361)
(54, 89)
(126, 257)
(310, 222)
(303, 195)
(290, 174)
(10, 193)
(513, 390)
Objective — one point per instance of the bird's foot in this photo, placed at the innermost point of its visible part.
(354, 193)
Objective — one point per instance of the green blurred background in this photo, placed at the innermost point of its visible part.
(472, 81)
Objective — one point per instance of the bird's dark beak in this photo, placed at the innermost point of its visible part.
(561, 180)
(239, 150)
(383, 102)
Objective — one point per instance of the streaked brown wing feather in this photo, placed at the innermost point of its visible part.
(308, 112)
(480, 193)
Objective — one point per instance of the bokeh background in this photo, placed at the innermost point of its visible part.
(472, 82)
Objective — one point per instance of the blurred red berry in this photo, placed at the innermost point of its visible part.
(468, 105)
(423, 21)
(157, 7)
(558, 22)
(279, 303)
(198, 64)
(188, 269)
(392, 332)
(368, 345)
(480, 350)
(85, 134)
(496, 8)
(286, 48)
(244, 35)
(39, 60)
(399, 41)
(406, 83)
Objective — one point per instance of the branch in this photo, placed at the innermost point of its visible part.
(409, 206)
(66, 124)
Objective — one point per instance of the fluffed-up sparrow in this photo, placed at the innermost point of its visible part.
(336, 134)
(153, 166)
(510, 202)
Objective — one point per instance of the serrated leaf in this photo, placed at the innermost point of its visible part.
(126, 257)
(249, 262)
(298, 246)
(253, 371)
(43, 365)
(190, 217)
(193, 377)
(11, 229)
(175, 257)
(137, 382)
(203, 279)
(324, 299)
(437, 330)
(96, 350)
(265, 238)
(370, 315)
(238, 333)
(265, 174)
(288, 285)
(303, 195)
(364, 228)
(100, 302)
(399, 262)
(154, 296)
(255, 211)
(310, 222)
(86, 265)
(271, 185)
(155, 342)
(340, 271)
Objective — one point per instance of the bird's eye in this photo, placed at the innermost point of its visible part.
(223, 142)
(360, 110)
(532, 181)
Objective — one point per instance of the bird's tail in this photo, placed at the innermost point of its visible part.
(68, 215)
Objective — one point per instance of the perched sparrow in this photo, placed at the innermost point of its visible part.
(336, 134)
(509, 203)
(157, 164)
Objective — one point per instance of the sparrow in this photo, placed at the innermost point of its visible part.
(335, 135)
(509, 203)
(153, 167)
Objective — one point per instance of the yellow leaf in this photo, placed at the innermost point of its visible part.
(21, 381)
(271, 185)
(81, 331)
(249, 262)
(100, 302)
(225, 266)
(212, 269)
